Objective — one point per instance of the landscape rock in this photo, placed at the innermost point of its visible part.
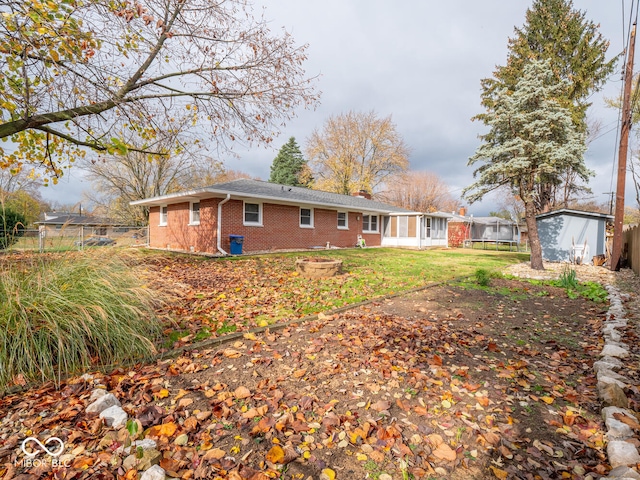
(96, 394)
(605, 380)
(155, 472)
(114, 416)
(614, 351)
(145, 444)
(621, 473)
(103, 402)
(617, 430)
(607, 362)
(150, 458)
(612, 336)
(622, 453)
(612, 395)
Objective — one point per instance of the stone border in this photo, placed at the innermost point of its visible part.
(623, 455)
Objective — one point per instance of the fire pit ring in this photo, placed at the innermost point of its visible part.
(318, 267)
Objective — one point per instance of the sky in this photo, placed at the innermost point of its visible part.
(421, 63)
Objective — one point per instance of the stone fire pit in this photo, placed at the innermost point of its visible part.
(317, 267)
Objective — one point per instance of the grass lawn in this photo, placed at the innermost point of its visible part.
(216, 296)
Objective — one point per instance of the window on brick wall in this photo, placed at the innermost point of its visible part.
(163, 215)
(370, 223)
(252, 213)
(306, 217)
(194, 213)
(343, 220)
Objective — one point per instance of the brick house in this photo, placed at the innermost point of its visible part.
(270, 216)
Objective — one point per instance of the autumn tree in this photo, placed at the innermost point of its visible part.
(356, 151)
(77, 74)
(12, 225)
(118, 180)
(532, 138)
(420, 192)
(290, 167)
(19, 193)
(554, 31)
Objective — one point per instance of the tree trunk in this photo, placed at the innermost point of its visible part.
(534, 240)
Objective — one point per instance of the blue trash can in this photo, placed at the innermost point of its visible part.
(235, 243)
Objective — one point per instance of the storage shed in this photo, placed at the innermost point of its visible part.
(564, 233)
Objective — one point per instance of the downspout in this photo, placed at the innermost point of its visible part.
(420, 230)
(219, 227)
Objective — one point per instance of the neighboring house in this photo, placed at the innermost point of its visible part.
(465, 229)
(270, 216)
(564, 233)
(80, 227)
(59, 224)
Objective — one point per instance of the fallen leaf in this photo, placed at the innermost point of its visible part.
(381, 405)
(501, 474)
(444, 452)
(275, 455)
(241, 392)
(164, 430)
(231, 353)
(214, 454)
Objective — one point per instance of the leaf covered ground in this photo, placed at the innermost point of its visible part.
(453, 381)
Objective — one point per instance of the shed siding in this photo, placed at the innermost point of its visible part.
(556, 234)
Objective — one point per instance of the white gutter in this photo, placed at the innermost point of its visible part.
(219, 228)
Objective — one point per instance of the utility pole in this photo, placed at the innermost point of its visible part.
(611, 194)
(614, 263)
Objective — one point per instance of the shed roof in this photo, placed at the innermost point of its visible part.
(73, 219)
(260, 190)
(576, 213)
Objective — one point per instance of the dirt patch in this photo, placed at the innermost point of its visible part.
(451, 382)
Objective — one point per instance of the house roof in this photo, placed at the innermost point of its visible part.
(246, 189)
(481, 220)
(576, 213)
(74, 219)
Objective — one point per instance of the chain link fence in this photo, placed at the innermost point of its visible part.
(78, 237)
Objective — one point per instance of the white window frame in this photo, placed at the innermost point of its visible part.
(244, 214)
(368, 224)
(163, 218)
(304, 225)
(346, 221)
(192, 219)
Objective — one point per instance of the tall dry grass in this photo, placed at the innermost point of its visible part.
(60, 315)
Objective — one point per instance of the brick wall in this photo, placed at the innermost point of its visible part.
(178, 234)
(280, 228)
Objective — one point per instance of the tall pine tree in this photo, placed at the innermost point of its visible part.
(554, 31)
(289, 167)
(532, 139)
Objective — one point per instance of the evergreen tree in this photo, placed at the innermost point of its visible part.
(12, 225)
(289, 167)
(556, 32)
(532, 139)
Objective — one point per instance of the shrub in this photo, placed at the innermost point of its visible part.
(63, 314)
(11, 227)
(483, 277)
(568, 279)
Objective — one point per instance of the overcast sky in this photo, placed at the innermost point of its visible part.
(420, 62)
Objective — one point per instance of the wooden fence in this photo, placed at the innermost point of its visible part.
(632, 246)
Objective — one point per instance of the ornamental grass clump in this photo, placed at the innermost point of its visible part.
(64, 314)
